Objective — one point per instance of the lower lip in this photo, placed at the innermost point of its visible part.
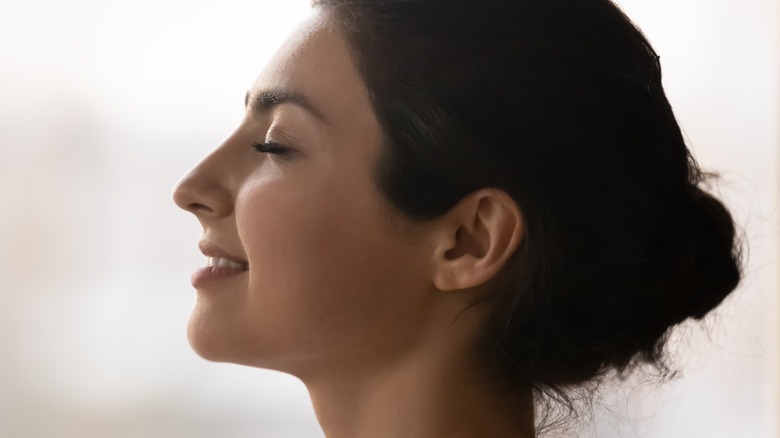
(211, 274)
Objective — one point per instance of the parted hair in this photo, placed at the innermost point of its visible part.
(560, 104)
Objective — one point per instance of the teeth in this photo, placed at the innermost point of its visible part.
(219, 262)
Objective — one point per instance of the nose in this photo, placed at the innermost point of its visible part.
(202, 192)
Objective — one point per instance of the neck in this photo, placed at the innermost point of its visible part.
(430, 391)
(410, 403)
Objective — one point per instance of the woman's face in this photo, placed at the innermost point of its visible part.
(321, 276)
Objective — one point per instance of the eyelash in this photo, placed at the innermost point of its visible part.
(271, 148)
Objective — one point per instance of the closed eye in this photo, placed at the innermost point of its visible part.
(271, 148)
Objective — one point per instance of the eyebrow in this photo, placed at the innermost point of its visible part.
(266, 100)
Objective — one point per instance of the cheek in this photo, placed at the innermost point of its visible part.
(296, 231)
(322, 267)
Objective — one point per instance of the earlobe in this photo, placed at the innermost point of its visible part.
(476, 238)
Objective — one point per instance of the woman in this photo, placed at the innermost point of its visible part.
(447, 216)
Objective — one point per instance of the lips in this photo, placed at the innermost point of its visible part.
(221, 265)
(220, 257)
(221, 262)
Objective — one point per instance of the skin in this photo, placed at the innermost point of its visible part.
(366, 307)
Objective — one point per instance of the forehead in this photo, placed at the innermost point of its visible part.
(316, 63)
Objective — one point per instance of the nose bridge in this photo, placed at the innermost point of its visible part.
(207, 189)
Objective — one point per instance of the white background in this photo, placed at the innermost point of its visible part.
(105, 104)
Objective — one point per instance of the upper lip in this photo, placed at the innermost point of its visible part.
(210, 249)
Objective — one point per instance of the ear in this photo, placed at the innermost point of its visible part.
(475, 239)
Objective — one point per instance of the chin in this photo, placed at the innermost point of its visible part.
(207, 342)
(217, 337)
(216, 342)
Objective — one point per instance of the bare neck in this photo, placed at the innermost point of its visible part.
(422, 395)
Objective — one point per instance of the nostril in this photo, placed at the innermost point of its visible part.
(199, 208)
(191, 198)
(200, 193)
(182, 195)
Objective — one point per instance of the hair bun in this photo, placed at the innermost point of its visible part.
(711, 262)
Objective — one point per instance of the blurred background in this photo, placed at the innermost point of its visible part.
(105, 104)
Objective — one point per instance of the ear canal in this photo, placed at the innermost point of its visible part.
(456, 251)
(471, 242)
(477, 239)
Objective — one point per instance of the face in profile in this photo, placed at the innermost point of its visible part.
(307, 268)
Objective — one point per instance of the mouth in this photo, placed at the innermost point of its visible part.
(220, 266)
(221, 262)
(217, 270)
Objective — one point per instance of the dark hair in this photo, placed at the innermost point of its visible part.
(559, 103)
